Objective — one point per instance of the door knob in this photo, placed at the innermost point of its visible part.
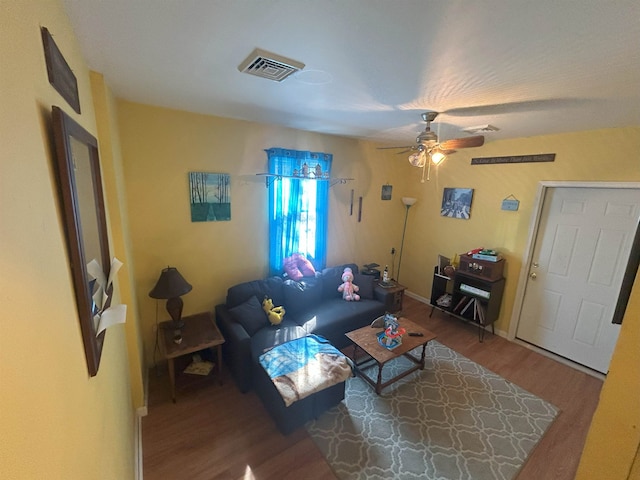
(533, 275)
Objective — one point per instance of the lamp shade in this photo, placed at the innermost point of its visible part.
(408, 201)
(170, 284)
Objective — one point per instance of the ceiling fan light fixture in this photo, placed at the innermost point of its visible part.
(437, 157)
(416, 159)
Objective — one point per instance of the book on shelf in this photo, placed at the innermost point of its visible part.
(469, 304)
(487, 257)
(460, 303)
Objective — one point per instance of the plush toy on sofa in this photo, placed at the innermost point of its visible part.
(297, 266)
(274, 314)
(348, 288)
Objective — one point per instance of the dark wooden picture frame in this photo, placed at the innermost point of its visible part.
(456, 203)
(59, 72)
(80, 189)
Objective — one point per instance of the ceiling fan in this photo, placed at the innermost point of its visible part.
(428, 147)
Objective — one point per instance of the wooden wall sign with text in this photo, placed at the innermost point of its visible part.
(60, 74)
(545, 157)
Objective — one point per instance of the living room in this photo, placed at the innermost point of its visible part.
(64, 424)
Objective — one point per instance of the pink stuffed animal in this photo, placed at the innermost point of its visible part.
(348, 288)
(297, 266)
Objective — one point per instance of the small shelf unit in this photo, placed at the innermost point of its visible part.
(468, 298)
(271, 177)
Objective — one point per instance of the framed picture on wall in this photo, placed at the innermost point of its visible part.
(456, 203)
(210, 196)
(386, 192)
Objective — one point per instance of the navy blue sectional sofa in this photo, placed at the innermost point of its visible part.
(313, 305)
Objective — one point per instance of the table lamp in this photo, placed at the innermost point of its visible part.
(171, 285)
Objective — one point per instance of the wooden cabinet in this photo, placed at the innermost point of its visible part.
(393, 296)
(469, 298)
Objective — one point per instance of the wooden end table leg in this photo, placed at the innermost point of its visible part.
(219, 348)
(172, 379)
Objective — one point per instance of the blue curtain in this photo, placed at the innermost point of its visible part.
(298, 207)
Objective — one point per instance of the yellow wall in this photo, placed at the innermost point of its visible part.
(584, 156)
(55, 421)
(113, 178)
(160, 147)
(614, 436)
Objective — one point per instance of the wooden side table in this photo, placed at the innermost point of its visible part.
(199, 332)
(394, 296)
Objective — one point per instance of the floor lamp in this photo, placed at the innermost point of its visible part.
(408, 201)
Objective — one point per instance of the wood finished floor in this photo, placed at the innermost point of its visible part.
(215, 432)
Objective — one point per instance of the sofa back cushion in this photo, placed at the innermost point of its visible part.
(365, 284)
(270, 287)
(250, 315)
(301, 296)
(332, 278)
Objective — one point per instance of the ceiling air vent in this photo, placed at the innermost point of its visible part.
(269, 65)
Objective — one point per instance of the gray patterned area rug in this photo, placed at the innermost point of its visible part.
(454, 420)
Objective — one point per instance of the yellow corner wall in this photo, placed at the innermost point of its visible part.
(614, 436)
(582, 156)
(113, 178)
(161, 146)
(56, 421)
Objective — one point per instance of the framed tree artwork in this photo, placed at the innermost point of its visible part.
(210, 196)
(456, 203)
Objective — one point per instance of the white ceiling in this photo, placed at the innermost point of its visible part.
(529, 67)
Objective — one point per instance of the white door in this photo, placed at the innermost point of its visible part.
(579, 258)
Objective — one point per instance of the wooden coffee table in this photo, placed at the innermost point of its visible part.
(366, 339)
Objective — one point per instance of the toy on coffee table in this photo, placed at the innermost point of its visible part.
(391, 337)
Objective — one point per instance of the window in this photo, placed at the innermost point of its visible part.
(298, 206)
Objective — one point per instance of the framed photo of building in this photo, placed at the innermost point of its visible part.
(456, 203)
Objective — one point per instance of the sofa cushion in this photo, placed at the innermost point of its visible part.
(267, 338)
(270, 287)
(250, 315)
(300, 296)
(365, 284)
(333, 318)
(332, 278)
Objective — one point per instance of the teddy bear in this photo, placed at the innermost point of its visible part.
(348, 288)
(274, 314)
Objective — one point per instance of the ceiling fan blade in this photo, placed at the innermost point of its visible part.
(405, 151)
(454, 143)
(405, 146)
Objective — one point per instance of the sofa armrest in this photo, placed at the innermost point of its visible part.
(382, 294)
(236, 349)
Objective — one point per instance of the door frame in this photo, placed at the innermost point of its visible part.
(527, 258)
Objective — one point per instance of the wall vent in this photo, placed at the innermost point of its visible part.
(480, 129)
(269, 65)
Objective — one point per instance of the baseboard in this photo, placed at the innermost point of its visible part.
(141, 411)
(138, 448)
